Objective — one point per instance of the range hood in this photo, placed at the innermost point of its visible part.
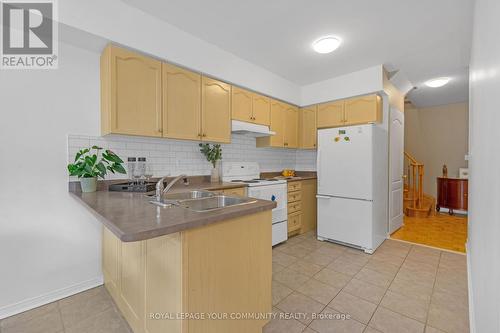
(254, 130)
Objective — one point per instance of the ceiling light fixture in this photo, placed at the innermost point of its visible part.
(437, 82)
(326, 44)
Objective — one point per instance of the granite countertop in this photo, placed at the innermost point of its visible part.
(299, 175)
(131, 217)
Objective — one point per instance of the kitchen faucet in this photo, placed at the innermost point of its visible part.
(160, 190)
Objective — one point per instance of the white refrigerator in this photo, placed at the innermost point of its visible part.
(352, 169)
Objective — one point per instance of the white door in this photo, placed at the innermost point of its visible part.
(396, 169)
(345, 162)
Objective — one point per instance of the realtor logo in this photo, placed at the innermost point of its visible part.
(29, 34)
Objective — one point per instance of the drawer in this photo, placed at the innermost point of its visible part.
(294, 207)
(294, 196)
(294, 186)
(240, 191)
(294, 222)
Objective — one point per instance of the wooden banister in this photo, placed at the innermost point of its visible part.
(414, 180)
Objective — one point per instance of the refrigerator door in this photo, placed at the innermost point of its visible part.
(345, 162)
(345, 220)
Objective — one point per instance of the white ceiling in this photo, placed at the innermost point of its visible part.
(422, 38)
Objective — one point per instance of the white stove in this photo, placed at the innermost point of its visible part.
(266, 189)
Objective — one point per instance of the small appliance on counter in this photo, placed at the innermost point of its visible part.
(266, 189)
(133, 187)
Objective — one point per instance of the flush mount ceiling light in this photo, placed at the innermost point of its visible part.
(437, 82)
(326, 44)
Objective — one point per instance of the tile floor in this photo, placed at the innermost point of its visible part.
(439, 230)
(400, 288)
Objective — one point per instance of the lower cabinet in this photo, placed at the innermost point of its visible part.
(238, 191)
(302, 210)
(294, 207)
(155, 281)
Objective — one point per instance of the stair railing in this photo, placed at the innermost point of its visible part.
(414, 180)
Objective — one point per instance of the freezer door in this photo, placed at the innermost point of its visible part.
(345, 220)
(345, 162)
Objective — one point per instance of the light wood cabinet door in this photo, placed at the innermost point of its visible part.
(362, 110)
(261, 109)
(278, 114)
(241, 104)
(181, 103)
(331, 114)
(291, 127)
(130, 93)
(307, 127)
(215, 111)
(309, 205)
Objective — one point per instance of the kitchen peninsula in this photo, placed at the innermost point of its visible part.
(163, 264)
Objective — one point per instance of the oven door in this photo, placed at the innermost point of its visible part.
(273, 193)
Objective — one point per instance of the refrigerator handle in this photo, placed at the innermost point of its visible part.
(319, 196)
(318, 173)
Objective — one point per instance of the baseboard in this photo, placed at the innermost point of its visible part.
(455, 211)
(28, 304)
(472, 321)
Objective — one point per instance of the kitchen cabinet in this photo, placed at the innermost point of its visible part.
(308, 205)
(307, 127)
(250, 107)
(290, 139)
(181, 103)
(452, 193)
(241, 101)
(362, 110)
(215, 111)
(130, 93)
(261, 109)
(239, 191)
(330, 114)
(353, 111)
(294, 207)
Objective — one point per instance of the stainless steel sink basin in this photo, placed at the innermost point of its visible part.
(215, 202)
(189, 195)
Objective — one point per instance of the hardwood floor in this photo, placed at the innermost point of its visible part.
(441, 230)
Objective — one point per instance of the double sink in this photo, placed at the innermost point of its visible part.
(200, 201)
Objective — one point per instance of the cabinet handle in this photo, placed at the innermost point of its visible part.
(204, 135)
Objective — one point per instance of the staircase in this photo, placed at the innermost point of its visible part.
(416, 202)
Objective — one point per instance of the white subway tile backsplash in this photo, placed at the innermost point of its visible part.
(174, 157)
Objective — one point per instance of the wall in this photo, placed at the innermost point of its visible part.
(484, 188)
(436, 136)
(49, 243)
(176, 157)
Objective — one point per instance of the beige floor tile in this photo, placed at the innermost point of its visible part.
(109, 321)
(296, 250)
(418, 266)
(309, 330)
(458, 302)
(365, 290)
(279, 291)
(429, 329)
(84, 305)
(333, 278)
(460, 289)
(411, 289)
(388, 321)
(331, 252)
(331, 323)
(46, 321)
(298, 303)
(318, 291)
(358, 308)
(28, 315)
(371, 330)
(393, 251)
(305, 267)
(294, 240)
(422, 277)
(356, 257)
(318, 259)
(312, 244)
(277, 268)
(388, 257)
(447, 319)
(279, 324)
(410, 307)
(382, 267)
(379, 279)
(345, 266)
(292, 279)
(282, 258)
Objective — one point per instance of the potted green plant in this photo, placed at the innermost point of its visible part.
(90, 164)
(213, 154)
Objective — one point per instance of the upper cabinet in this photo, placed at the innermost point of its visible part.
(181, 103)
(250, 107)
(331, 114)
(130, 93)
(284, 121)
(365, 109)
(291, 127)
(215, 110)
(353, 111)
(307, 127)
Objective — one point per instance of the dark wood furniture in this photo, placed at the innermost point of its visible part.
(452, 193)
